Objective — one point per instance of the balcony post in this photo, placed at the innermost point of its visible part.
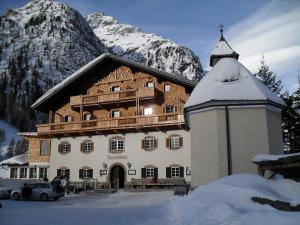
(50, 116)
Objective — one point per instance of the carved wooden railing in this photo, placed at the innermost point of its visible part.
(143, 92)
(112, 123)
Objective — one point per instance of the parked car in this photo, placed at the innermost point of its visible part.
(4, 192)
(36, 191)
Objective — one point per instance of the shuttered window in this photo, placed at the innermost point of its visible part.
(64, 147)
(85, 173)
(64, 172)
(87, 146)
(117, 145)
(149, 143)
(175, 172)
(174, 142)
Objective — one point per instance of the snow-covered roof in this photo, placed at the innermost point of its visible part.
(98, 60)
(222, 48)
(268, 157)
(16, 160)
(27, 134)
(228, 81)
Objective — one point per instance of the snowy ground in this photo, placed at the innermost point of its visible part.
(224, 202)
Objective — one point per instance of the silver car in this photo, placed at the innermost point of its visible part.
(4, 192)
(37, 191)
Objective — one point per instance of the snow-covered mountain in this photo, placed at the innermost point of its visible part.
(150, 49)
(40, 44)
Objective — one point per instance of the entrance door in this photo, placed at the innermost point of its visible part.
(117, 175)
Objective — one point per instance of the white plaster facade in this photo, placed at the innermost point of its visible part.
(161, 157)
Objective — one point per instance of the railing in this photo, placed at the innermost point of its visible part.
(113, 123)
(144, 92)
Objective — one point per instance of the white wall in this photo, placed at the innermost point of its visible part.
(161, 157)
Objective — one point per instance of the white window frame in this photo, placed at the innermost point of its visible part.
(175, 171)
(150, 172)
(148, 111)
(13, 173)
(87, 146)
(117, 145)
(67, 118)
(149, 84)
(115, 88)
(33, 173)
(170, 108)
(23, 173)
(174, 142)
(149, 143)
(85, 173)
(43, 172)
(115, 114)
(63, 172)
(167, 87)
(65, 148)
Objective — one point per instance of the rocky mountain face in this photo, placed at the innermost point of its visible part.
(40, 44)
(149, 49)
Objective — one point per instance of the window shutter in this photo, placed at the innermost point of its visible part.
(59, 149)
(141, 112)
(181, 170)
(91, 173)
(120, 114)
(156, 173)
(168, 142)
(92, 146)
(180, 141)
(175, 108)
(81, 174)
(168, 172)
(156, 143)
(69, 147)
(71, 118)
(143, 144)
(68, 173)
(143, 172)
(59, 172)
(81, 147)
(164, 109)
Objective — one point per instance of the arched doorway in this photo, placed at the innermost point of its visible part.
(117, 177)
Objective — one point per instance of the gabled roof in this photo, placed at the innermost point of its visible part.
(229, 82)
(107, 56)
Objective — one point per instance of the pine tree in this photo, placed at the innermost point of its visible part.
(268, 78)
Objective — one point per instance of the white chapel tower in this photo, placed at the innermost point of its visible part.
(232, 117)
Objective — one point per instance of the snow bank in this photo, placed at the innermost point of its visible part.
(228, 201)
(268, 157)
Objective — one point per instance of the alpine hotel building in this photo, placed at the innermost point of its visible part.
(114, 121)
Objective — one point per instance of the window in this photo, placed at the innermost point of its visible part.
(87, 116)
(171, 109)
(64, 148)
(32, 173)
(67, 118)
(116, 89)
(87, 146)
(149, 143)
(115, 114)
(149, 172)
(85, 173)
(64, 172)
(23, 173)
(117, 145)
(148, 111)
(167, 87)
(43, 173)
(44, 147)
(175, 172)
(149, 84)
(174, 142)
(13, 173)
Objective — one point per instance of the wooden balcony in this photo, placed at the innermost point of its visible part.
(117, 97)
(134, 122)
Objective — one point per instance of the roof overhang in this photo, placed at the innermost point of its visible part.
(101, 59)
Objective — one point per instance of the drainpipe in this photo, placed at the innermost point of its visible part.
(228, 140)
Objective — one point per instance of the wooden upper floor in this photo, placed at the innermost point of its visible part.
(115, 95)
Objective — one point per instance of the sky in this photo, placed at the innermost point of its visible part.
(252, 28)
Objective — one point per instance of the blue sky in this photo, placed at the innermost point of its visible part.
(252, 28)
